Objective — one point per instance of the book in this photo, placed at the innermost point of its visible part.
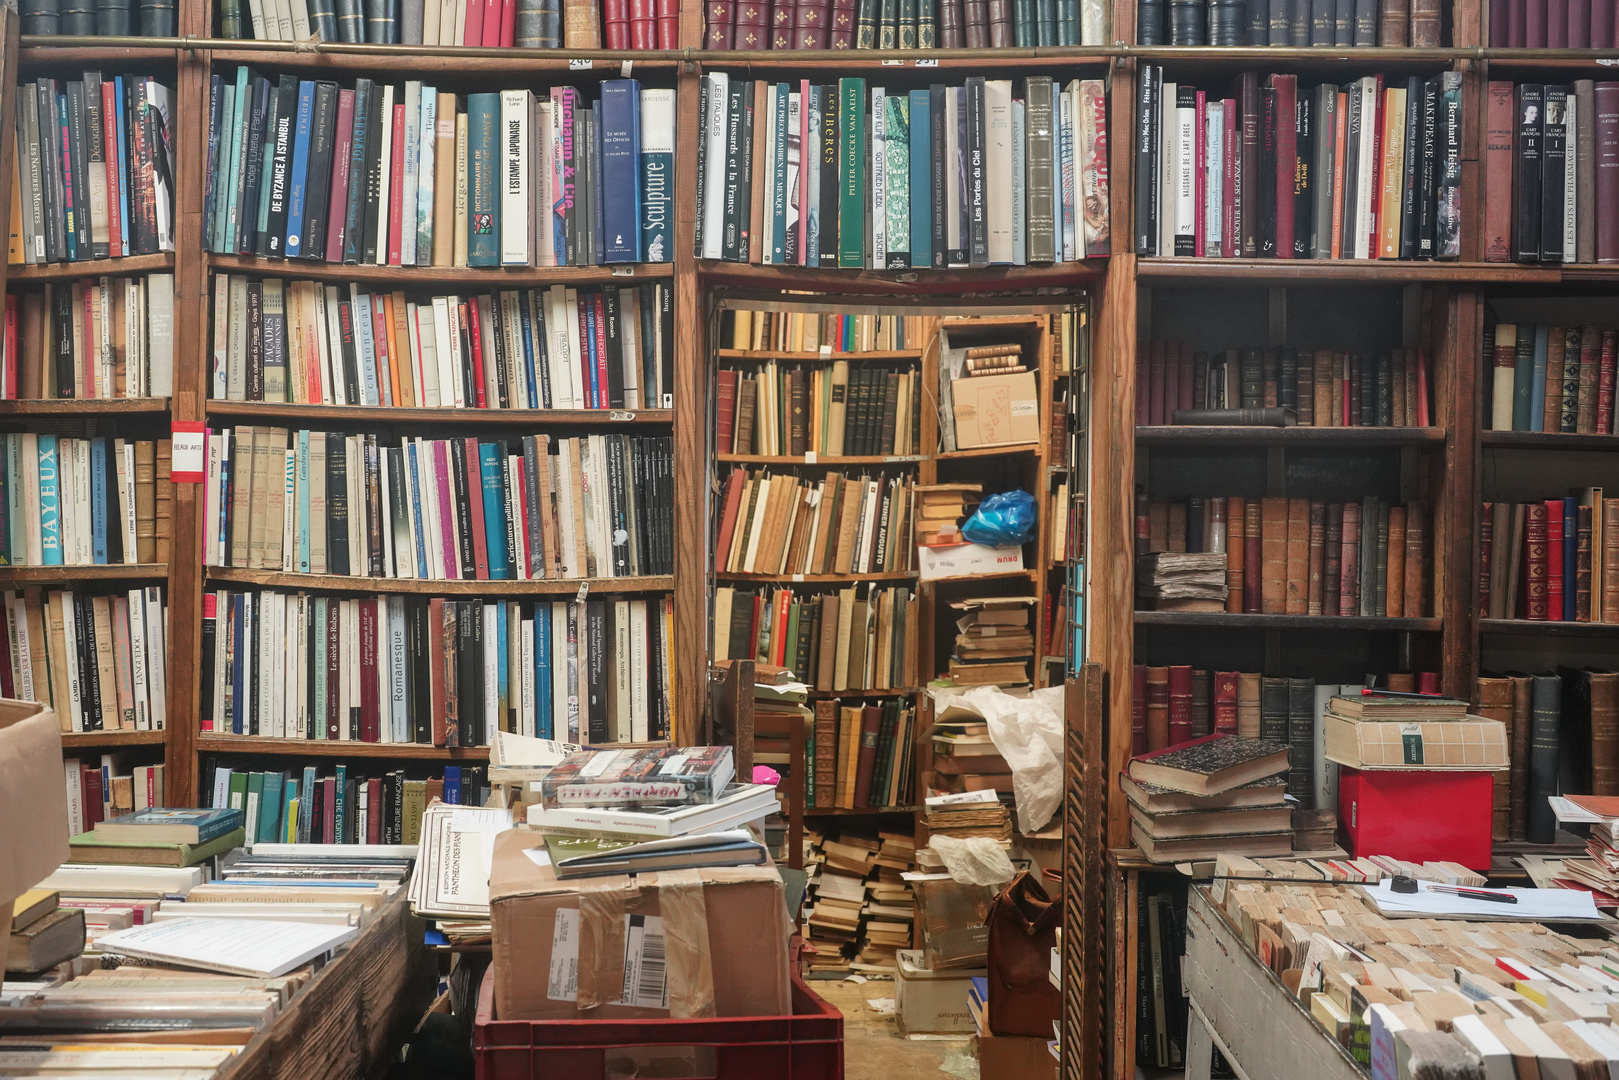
(88, 848)
(635, 777)
(1210, 765)
(170, 826)
(576, 857)
(740, 804)
(49, 940)
(253, 948)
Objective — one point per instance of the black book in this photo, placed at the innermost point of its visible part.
(1258, 22)
(702, 171)
(641, 481)
(142, 223)
(84, 630)
(1323, 19)
(360, 153)
(1188, 23)
(79, 158)
(1545, 767)
(1150, 22)
(938, 175)
(463, 523)
(1265, 189)
(337, 505)
(1304, 180)
(651, 369)
(598, 639)
(1553, 160)
(157, 18)
(376, 123)
(1385, 390)
(977, 173)
(1147, 160)
(598, 225)
(419, 673)
(1298, 22)
(474, 721)
(379, 22)
(279, 146)
(666, 334)
(1351, 168)
(469, 386)
(1428, 170)
(1343, 22)
(50, 150)
(350, 355)
(77, 18)
(1526, 168)
(1301, 740)
(657, 722)
(1365, 22)
(829, 176)
(617, 508)
(323, 19)
(1574, 731)
(265, 101)
(62, 336)
(42, 17)
(495, 358)
(1273, 710)
(318, 189)
(613, 334)
(735, 163)
(255, 340)
(1280, 29)
(350, 26)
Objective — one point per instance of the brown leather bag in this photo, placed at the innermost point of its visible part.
(1022, 932)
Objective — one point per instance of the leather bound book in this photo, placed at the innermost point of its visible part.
(1138, 710)
(813, 19)
(1225, 702)
(1321, 410)
(977, 24)
(1394, 23)
(1296, 593)
(1157, 708)
(1253, 557)
(1301, 740)
(1585, 398)
(1492, 699)
(1202, 706)
(1486, 552)
(842, 34)
(1535, 25)
(721, 24)
(1605, 382)
(1535, 562)
(1180, 703)
(1332, 557)
(951, 34)
(1380, 590)
(1274, 555)
(1236, 549)
(752, 24)
(1610, 560)
(1545, 746)
(1349, 562)
(1150, 22)
(1557, 24)
(1498, 167)
(668, 15)
(1414, 603)
(1280, 29)
(580, 26)
(1607, 171)
(1551, 417)
(1317, 557)
(1582, 565)
(871, 719)
(1248, 707)
(1577, 29)
(643, 24)
(826, 754)
(1602, 699)
(1588, 734)
(783, 17)
(1273, 710)
(615, 23)
(1394, 604)
(1582, 158)
(1554, 559)
(1248, 103)
(1425, 24)
(1000, 24)
(1520, 731)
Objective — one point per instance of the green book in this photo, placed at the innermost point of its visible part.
(888, 30)
(851, 173)
(238, 790)
(255, 793)
(88, 848)
(897, 169)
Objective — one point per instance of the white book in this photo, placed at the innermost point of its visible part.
(64, 603)
(769, 134)
(139, 668)
(713, 209)
(528, 712)
(384, 483)
(424, 343)
(998, 168)
(657, 157)
(559, 676)
(1366, 169)
(236, 342)
(222, 336)
(430, 22)
(491, 667)
(358, 536)
(556, 352)
(485, 331)
(277, 686)
(515, 235)
(398, 668)
(455, 840)
(299, 714)
(421, 213)
(620, 722)
(640, 672)
(879, 177)
(261, 948)
(1020, 185)
(1168, 144)
(954, 177)
(545, 238)
(1214, 177)
(1185, 191)
(17, 615)
(146, 882)
(1093, 22)
(75, 796)
(262, 30)
(157, 654)
(34, 538)
(331, 359)
(365, 345)
(386, 134)
(440, 326)
(455, 366)
(424, 493)
(289, 512)
(300, 20)
(567, 530)
(868, 524)
(1570, 195)
(755, 527)
(283, 17)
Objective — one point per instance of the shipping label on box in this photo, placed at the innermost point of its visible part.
(996, 410)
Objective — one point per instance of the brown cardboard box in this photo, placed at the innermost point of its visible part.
(1015, 1057)
(33, 799)
(560, 943)
(995, 410)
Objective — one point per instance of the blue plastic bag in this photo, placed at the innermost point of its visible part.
(1002, 520)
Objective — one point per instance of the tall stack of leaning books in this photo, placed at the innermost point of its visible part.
(1222, 794)
(994, 641)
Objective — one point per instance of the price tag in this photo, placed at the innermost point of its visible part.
(928, 63)
(625, 68)
(826, 351)
(624, 271)
(798, 577)
(186, 452)
(584, 591)
(581, 65)
(809, 457)
(620, 415)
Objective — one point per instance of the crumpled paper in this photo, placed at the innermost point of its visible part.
(974, 860)
(1028, 732)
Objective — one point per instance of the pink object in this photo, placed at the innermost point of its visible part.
(764, 774)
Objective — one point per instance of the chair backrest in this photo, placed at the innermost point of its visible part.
(731, 715)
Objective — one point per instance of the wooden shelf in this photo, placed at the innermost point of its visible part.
(987, 451)
(900, 282)
(121, 737)
(90, 268)
(817, 579)
(39, 51)
(472, 278)
(57, 407)
(999, 575)
(1548, 628)
(761, 355)
(1188, 434)
(48, 575)
(842, 459)
(462, 65)
(275, 579)
(858, 811)
(1221, 620)
(393, 415)
(263, 744)
(1151, 269)
(1546, 440)
(831, 695)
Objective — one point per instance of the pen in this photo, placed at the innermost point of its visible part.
(1475, 894)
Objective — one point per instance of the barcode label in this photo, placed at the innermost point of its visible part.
(646, 983)
(564, 984)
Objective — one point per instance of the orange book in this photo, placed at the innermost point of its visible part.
(390, 339)
(1391, 162)
(1396, 569)
(1236, 525)
(1296, 596)
(1415, 557)
(1339, 133)
(1273, 555)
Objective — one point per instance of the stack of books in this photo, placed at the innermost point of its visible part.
(160, 837)
(1555, 560)
(965, 759)
(890, 907)
(43, 933)
(1175, 581)
(994, 641)
(965, 814)
(1220, 794)
(860, 908)
(1552, 378)
(125, 349)
(941, 509)
(109, 790)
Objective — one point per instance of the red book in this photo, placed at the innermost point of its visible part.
(474, 27)
(1607, 170)
(1138, 710)
(1225, 702)
(601, 348)
(1180, 703)
(396, 183)
(726, 408)
(1577, 32)
(1554, 559)
(616, 23)
(721, 25)
(1228, 180)
(1349, 562)
(870, 722)
(491, 21)
(473, 323)
(1158, 414)
(328, 817)
(668, 24)
(1601, 23)
(1557, 24)
(1427, 682)
(109, 137)
(370, 730)
(733, 505)
(480, 543)
(643, 25)
(1535, 25)
(1534, 543)
(373, 811)
(337, 208)
(1287, 159)
(91, 795)
(1253, 558)
(1605, 380)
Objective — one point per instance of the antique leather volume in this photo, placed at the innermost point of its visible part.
(1349, 562)
(1317, 558)
(1225, 701)
(1253, 558)
(1498, 169)
(1273, 555)
(1416, 569)
(1248, 710)
(1157, 708)
(1492, 699)
(1235, 550)
(1395, 602)
(1180, 704)
(1425, 23)
(1297, 586)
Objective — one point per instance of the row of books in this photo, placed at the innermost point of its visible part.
(1278, 170)
(1395, 24)
(435, 672)
(108, 18)
(1552, 378)
(1554, 560)
(778, 523)
(558, 348)
(911, 24)
(344, 807)
(405, 176)
(1161, 1008)
(813, 175)
(1543, 202)
(857, 638)
(83, 502)
(831, 410)
(97, 660)
(94, 169)
(98, 792)
(1324, 388)
(523, 24)
(98, 338)
(1560, 727)
(1301, 556)
(808, 331)
(314, 502)
(859, 755)
(1528, 24)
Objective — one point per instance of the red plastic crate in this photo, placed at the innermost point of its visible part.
(807, 1045)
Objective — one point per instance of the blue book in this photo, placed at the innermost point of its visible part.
(620, 118)
(452, 784)
(525, 314)
(1571, 524)
(354, 208)
(239, 648)
(298, 177)
(657, 175)
(242, 107)
(490, 466)
(50, 516)
(340, 815)
(270, 808)
(483, 171)
(177, 825)
(921, 178)
(542, 672)
(596, 200)
(123, 164)
(303, 505)
(98, 501)
(306, 807)
(1537, 385)
(416, 514)
(216, 100)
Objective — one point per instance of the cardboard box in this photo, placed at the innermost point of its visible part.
(1417, 816)
(33, 799)
(996, 410)
(1014, 1057)
(966, 560)
(931, 1001)
(559, 944)
(1471, 745)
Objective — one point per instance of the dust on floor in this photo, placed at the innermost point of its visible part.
(873, 1048)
